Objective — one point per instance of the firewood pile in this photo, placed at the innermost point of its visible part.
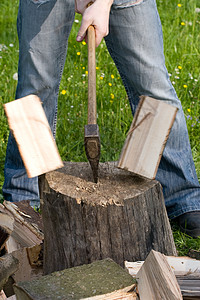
(21, 271)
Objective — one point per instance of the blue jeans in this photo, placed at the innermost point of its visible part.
(135, 43)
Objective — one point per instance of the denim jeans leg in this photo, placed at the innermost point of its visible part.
(43, 30)
(135, 43)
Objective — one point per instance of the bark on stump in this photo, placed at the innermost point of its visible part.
(122, 217)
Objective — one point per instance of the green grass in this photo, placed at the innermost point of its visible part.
(181, 25)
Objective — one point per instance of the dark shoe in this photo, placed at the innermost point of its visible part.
(189, 223)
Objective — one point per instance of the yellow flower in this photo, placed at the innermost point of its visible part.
(101, 77)
(112, 96)
(97, 68)
(86, 72)
(112, 76)
(179, 67)
(110, 84)
(63, 92)
(189, 110)
(84, 43)
(179, 5)
(185, 86)
(183, 23)
(83, 68)
(78, 53)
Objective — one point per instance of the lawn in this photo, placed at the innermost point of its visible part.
(181, 26)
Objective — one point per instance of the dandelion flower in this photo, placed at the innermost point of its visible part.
(101, 77)
(179, 4)
(78, 53)
(179, 67)
(112, 76)
(86, 72)
(110, 84)
(97, 68)
(183, 23)
(83, 43)
(185, 86)
(112, 96)
(63, 92)
(189, 110)
(83, 68)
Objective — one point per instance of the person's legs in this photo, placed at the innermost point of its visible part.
(136, 45)
(43, 29)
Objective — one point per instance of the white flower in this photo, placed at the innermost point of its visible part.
(15, 76)
(11, 45)
(76, 21)
(197, 10)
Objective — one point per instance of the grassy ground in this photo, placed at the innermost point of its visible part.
(181, 25)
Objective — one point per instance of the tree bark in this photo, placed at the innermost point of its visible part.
(122, 217)
(8, 265)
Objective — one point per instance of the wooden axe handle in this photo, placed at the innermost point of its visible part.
(92, 110)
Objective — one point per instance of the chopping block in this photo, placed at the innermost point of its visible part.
(122, 217)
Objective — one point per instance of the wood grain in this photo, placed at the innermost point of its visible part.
(147, 137)
(29, 125)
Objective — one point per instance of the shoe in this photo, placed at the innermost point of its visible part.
(189, 223)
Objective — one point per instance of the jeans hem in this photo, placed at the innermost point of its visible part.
(183, 211)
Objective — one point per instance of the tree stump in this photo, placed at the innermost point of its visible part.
(122, 217)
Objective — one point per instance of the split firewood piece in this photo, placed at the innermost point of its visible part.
(2, 295)
(29, 125)
(27, 225)
(156, 279)
(190, 285)
(181, 266)
(147, 137)
(96, 279)
(8, 265)
(6, 227)
(30, 263)
(13, 297)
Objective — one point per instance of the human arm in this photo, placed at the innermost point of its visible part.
(97, 15)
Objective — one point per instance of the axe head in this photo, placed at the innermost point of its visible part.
(93, 148)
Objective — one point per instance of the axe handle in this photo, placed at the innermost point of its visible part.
(92, 109)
